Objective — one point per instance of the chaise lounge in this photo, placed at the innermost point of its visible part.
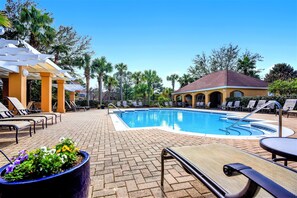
(17, 125)
(288, 106)
(6, 115)
(250, 106)
(230, 172)
(24, 112)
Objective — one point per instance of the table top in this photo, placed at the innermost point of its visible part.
(285, 147)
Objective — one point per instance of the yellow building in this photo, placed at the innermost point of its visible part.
(218, 86)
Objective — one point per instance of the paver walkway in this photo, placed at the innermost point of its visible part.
(127, 163)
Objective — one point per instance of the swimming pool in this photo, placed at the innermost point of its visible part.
(178, 120)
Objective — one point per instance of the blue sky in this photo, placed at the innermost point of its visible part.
(165, 35)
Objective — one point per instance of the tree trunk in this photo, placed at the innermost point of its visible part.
(100, 89)
(121, 88)
(88, 90)
(98, 79)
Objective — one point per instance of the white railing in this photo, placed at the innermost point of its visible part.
(110, 104)
(258, 109)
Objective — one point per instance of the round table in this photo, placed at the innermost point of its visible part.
(284, 147)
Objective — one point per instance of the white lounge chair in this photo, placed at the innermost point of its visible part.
(250, 106)
(235, 106)
(289, 105)
(125, 104)
(260, 104)
(140, 104)
(134, 104)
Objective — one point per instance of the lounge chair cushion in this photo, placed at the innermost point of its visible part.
(209, 159)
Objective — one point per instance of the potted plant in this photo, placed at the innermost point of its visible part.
(61, 171)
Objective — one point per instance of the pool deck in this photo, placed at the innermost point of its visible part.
(127, 163)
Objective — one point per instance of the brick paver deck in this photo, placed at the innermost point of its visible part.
(127, 163)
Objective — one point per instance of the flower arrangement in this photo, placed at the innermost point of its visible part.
(43, 162)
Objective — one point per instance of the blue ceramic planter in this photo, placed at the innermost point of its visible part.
(71, 183)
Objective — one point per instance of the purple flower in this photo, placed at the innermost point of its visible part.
(23, 158)
(22, 152)
(10, 168)
(16, 162)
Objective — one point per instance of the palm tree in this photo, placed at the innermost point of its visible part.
(141, 90)
(122, 68)
(35, 26)
(173, 78)
(84, 62)
(111, 82)
(185, 80)
(4, 21)
(137, 77)
(101, 67)
(57, 50)
(150, 76)
(247, 66)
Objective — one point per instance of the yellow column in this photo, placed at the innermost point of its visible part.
(193, 100)
(61, 96)
(206, 94)
(225, 95)
(17, 86)
(46, 91)
(72, 96)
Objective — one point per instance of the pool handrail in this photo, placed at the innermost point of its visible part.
(258, 109)
(111, 104)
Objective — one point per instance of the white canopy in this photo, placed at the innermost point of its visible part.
(71, 87)
(11, 57)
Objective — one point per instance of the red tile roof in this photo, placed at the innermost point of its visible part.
(222, 79)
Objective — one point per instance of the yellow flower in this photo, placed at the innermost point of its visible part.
(65, 148)
(58, 151)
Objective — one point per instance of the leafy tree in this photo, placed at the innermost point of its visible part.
(281, 71)
(151, 77)
(127, 85)
(69, 46)
(111, 82)
(224, 58)
(34, 26)
(84, 63)
(122, 68)
(4, 21)
(185, 79)
(283, 87)
(247, 64)
(201, 66)
(173, 78)
(141, 91)
(137, 77)
(101, 68)
(13, 9)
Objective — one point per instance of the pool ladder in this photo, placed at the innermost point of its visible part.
(255, 111)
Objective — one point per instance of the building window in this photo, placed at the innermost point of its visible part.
(236, 94)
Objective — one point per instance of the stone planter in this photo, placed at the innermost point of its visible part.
(71, 183)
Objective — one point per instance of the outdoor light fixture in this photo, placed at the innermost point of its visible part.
(25, 73)
(2, 31)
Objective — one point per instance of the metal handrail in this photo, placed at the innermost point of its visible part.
(258, 109)
(110, 104)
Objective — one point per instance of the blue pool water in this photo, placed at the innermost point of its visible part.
(187, 121)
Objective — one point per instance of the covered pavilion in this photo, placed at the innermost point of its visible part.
(218, 86)
(19, 64)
